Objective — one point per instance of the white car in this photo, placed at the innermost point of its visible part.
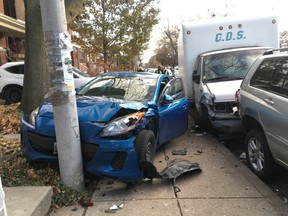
(80, 78)
(12, 76)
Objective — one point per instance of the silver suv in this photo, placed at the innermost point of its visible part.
(263, 107)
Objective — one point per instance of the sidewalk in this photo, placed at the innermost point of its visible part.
(224, 187)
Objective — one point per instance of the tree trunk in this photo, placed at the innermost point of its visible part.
(36, 79)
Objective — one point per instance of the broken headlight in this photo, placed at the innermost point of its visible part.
(121, 125)
(32, 116)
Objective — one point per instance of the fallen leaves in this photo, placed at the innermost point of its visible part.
(15, 170)
(10, 119)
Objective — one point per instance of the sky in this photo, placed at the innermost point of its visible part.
(177, 11)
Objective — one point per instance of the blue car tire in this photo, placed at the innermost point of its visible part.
(145, 146)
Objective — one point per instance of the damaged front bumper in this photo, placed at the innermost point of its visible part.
(224, 121)
(101, 157)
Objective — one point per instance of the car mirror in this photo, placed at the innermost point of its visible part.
(167, 99)
(196, 77)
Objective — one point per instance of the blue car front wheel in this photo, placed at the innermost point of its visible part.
(145, 146)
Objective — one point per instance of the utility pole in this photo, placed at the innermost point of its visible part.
(58, 47)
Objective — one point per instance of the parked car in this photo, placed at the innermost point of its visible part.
(80, 78)
(123, 118)
(12, 76)
(11, 81)
(263, 102)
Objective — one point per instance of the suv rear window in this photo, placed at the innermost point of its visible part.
(18, 69)
(271, 75)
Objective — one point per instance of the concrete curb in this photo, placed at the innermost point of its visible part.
(32, 201)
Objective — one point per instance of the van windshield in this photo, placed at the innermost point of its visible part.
(229, 65)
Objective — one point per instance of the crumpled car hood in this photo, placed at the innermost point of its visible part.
(95, 109)
(224, 91)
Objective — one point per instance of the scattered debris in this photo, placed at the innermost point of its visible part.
(243, 156)
(200, 134)
(85, 203)
(177, 167)
(195, 127)
(74, 209)
(174, 169)
(166, 157)
(114, 208)
(149, 170)
(179, 151)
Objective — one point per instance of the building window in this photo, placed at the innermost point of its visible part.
(9, 8)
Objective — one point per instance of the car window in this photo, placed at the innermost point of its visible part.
(175, 89)
(271, 75)
(128, 88)
(17, 69)
(285, 83)
(280, 79)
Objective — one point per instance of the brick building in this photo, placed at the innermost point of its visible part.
(12, 37)
(12, 30)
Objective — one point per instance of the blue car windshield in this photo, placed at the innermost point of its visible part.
(128, 88)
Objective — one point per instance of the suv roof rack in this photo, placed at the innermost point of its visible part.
(272, 51)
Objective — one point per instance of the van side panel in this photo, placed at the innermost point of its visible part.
(199, 37)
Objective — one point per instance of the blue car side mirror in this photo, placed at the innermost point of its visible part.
(167, 99)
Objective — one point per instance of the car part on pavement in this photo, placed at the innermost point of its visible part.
(115, 208)
(176, 168)
(179, 151)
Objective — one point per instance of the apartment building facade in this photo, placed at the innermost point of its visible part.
(12, 38)
(12, 30)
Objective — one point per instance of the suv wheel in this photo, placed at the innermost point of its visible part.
(259, 157)
(13, 95)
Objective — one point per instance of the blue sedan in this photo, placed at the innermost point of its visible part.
(123, 118)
